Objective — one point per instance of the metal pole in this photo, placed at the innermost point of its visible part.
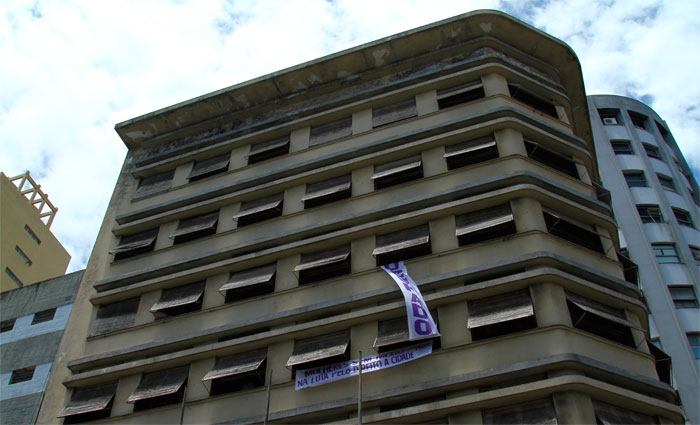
(182, 409)
(359, 392)
(267, 408)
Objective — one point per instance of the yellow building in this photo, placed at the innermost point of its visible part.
(243, 241)
(29, 252)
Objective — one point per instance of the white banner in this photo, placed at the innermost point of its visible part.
(420, 322)
(307, 378)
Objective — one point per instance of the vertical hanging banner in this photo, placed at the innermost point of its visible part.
(420, 322)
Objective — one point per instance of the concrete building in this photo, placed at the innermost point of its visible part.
(655, 199)
(242, 244)
(29, 252)
(33, 320)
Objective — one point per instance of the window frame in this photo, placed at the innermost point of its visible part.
(159, 388)
(533, 100)
(601, 320)
(500, 315)
(665, 248)
(179, 300)
(196, 227)
(249, 283)
(149, 185)
(399, 111)
(610, 114)
(268, 149)
(561, 226)
(694, 342)
(327, 191)
(626, 146)
(638, 120)
(397, 172)
(666, 182)
(259, 210)
(485, 225)
(322, 265)
(402, 245)
(460, 94)
(89, 404)
(650, 214)
(7, 325)
(23, 256)
(687, 300)
(135, 244)
(635, 178)
(683, 217)
(44, 316)
(471, 152)
(237, 372)
(551, 158)
(115, 316)
(203, 168)
(652, 151)
(321, 350)
(24, 374)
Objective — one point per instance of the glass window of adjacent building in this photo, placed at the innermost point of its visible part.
(666, 182)
(696, 252)
(652, 151)
(635, 179)
(638, 120)
(650, 214)
(683, 217)
(621, 147)
(694, 340)
(665, 253)
(683, 296)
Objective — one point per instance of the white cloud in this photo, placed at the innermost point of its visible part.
(72, 69)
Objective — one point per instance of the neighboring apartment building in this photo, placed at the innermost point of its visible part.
(655, 199)
(243, 242)
(29, 252)
(33, 320)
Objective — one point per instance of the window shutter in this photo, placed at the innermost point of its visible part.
(177, 297)
(319, 348)
(330, 131)
(323, 258)
(137, 243)
(460, 94)
(115, 316)
(268, 149)
(329, 190)
(259, 276)
(391, 332)
(86, 400)
(393, 113)
(607, 414)
(601, 310)
(470, 147)
(540, 412)
(195, 226)
(396, 167)
(208, 167)
(498, 309)
(155, 183)
(161, 383)
(403, 239)
(484, 219)
(236, 364)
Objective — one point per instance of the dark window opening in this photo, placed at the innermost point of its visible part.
(14, 277)
(269, 149)
(683, 296)
(635, 179)
(397, 172)
(324, 265)
(551, 159)
(392, 113)
(565, 229)
(179, 300)
(662, 362)
(250, 283)
(32, 234)
(331, 131)
(534, 101)
(320, 351)
(132, 245)
(160, 388)
(650, 214)
(89, 404)
(607, 414)
(396, 405)
(695, 251)
(195, 227)
(23, 256)
(393, 335)
(652, 151)
(7, 325)
(43, 316)
(155, 183)
(460, 94)
(471, 152)
(402, 245)
(22, 375)
(638, 120)
(694, 341)
(238, 372)
(610, 116)
(485, 225)
(665, 253)
(683, 217)
(327, 191)
(259, 210)
(665, 134)
(115, 316)
(630, 268)
(621, 147)
(164, 400)
(209, 167)
(666, 182)
(540, 412)
(598, 319)
(501, 315)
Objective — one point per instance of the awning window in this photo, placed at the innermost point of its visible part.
(327, 191)
(159, 384)
(327, 349)
(397, 172)
(331, 131)
(324, 265)
(90, 400)
(402, 245)
(540, 412)
(499, 309)
(578, 233)
(195, 227)
(485, 224)
(155, 183)
(130, 245)
(460, 94)
(550, 158)
(179, 300)
(209, 167)
(390, 332)
(250, 283)
(236, 365)
(268, 149)
(600, 310)
(470, 152)
(259, 210)
(115, 316)
(393, 113)
(607, 414)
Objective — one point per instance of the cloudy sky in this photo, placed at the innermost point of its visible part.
(71, 70)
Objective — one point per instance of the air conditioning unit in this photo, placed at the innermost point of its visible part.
(610, 121)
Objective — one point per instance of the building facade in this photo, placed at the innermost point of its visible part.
(29, 252)
(33, 320)
(655, 199)
(243, 242)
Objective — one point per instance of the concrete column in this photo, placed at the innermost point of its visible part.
(292, 200)
(606, 241)
(195, 389)
(434, 161)
(362, 121)
(143, 314)
(277, 355)
(299, 139)
(285, 277)
(127, 385)
(181, 173)
(495, 84)
(362, 180)
(427, 102)
(527, 213)
(472, 416)
(452, 319)
(361, 257)
(163, 240)
(510, 142)
(573, 408)
(549, 302)
(212, 296)
(239, 158)
(442, 231)
(226, 221)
